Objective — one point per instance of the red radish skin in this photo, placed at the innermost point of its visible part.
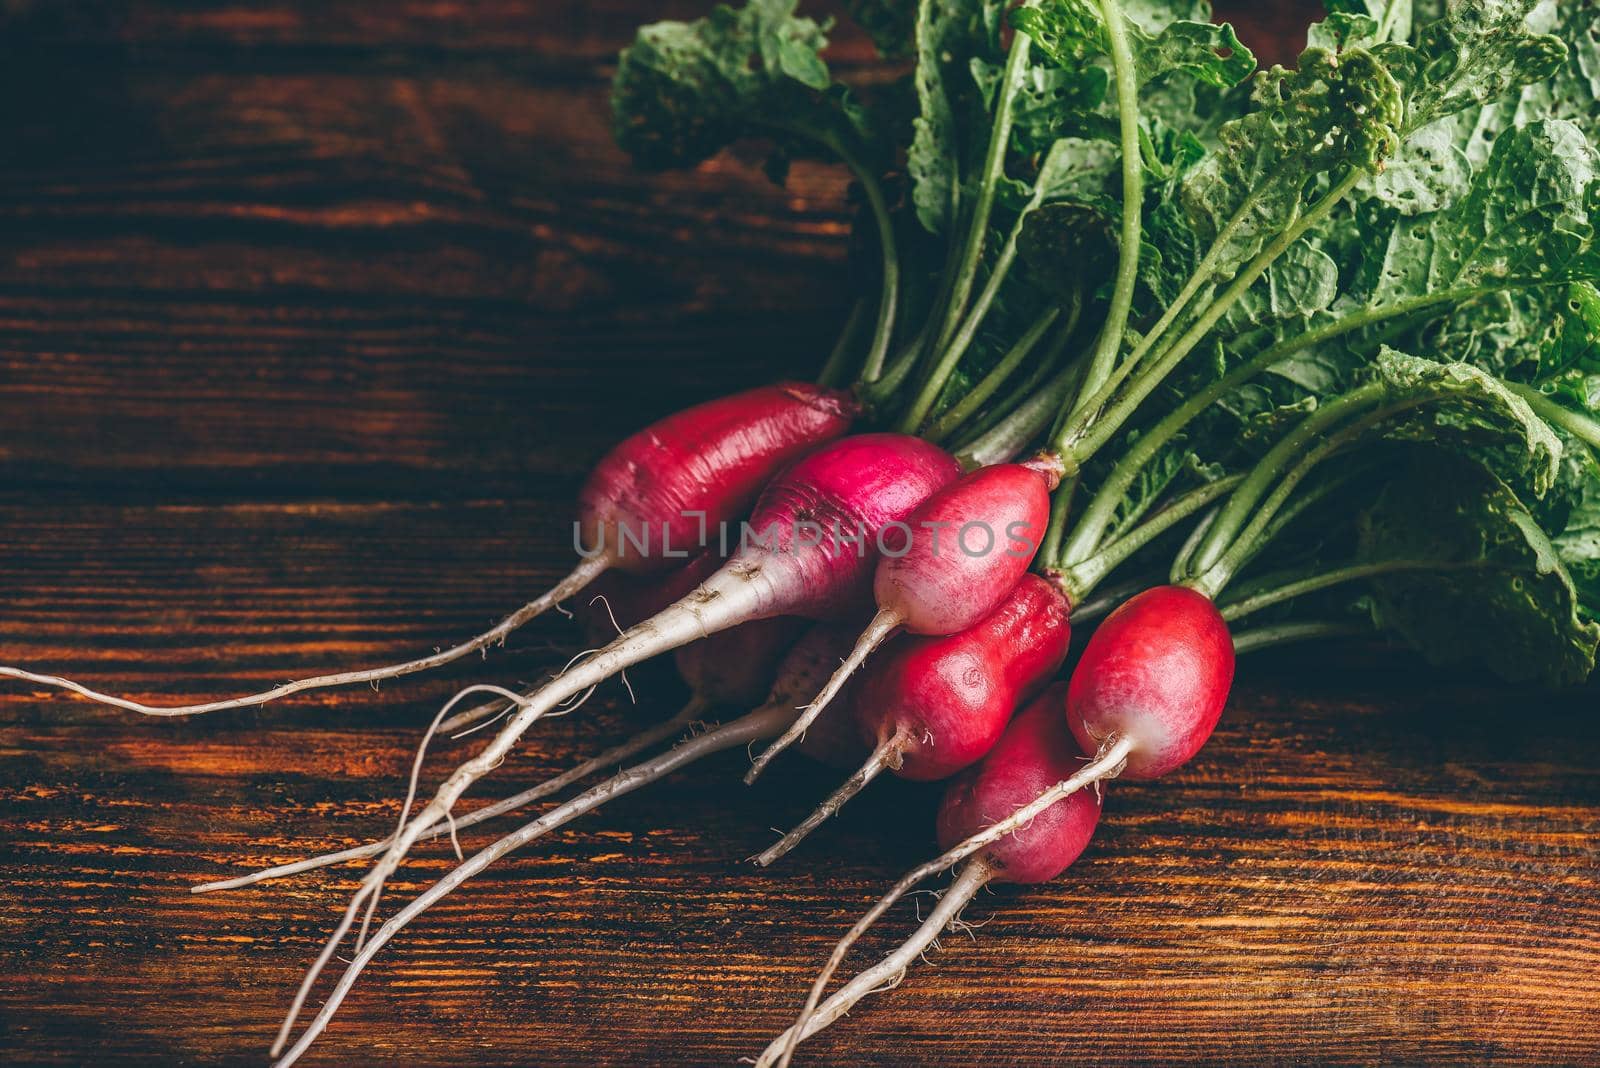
(1034, 753)
(801, 672)
(947, 581)
(951, 697)
(929, 707)
(1157, 672)
(703, 465)
(671, 484)
(1146, 694)
(969, 545)
(867, 481)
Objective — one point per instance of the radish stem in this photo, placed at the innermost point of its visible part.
(1127, 82)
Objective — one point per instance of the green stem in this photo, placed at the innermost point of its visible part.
(1025, 422)
(1105, 354)
(1077, 442)
(1202, 272)
(833, 372)
(1273, 591)
(1180, 562)
(1081, 578)
(1060, 507)
(1297, 442)
(1577, 424)
(979, 394)
(1257, 638)
(1228, 547)
(994, 162)
(1097, 516)
(1042, 375)
(934, 382)
(883, 333)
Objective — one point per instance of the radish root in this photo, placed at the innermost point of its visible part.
(887, 973)
(881, 629)
(1107, 764)
(886, 756)
(586, 572)
(724, 600)
(645, 739)
(763, 723)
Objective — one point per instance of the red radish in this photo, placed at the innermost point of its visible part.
(666, 489)
(1034, 753)
(1154, 677)
(811, 554)
(802, 671)
(644, 507)
(967, 546)
(929, 707)
(1144, 698)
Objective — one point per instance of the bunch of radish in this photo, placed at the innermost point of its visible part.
(1143, 700)
(883, 576)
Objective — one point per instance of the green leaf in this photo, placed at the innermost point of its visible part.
(1502, 596)
(950, 130)
(1390, 19)
(1071, 32)
(1572, 92)
(1429, 173)
(1476, 53)
(685, 90)
(1471, 412)
(1578, 545)
(1336, 111)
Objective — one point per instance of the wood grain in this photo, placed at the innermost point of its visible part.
(311, 314)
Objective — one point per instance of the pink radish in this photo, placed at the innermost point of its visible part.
(644, 508)
(1035, 752)
(966, 548)
(666, 489)
(802, 671)
(815, 531)
(929, 707)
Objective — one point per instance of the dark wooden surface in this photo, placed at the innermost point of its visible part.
(311, 314)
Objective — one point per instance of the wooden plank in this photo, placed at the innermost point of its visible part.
(310, 317)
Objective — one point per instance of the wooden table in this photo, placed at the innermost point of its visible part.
(311, 315)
